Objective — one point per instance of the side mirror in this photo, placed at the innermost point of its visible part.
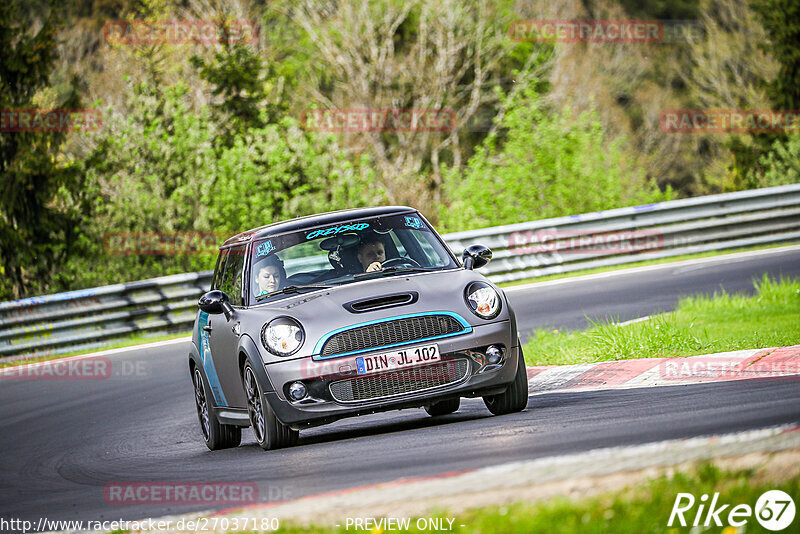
(476, 256)
(216, 302)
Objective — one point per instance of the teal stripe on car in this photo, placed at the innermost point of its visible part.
(208, 362)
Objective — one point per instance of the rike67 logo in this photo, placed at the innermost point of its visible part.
(774, 510)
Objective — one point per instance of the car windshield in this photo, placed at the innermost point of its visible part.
(343, 253)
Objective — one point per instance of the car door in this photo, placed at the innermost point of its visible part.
(224, 333)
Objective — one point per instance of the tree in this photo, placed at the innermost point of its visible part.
(781, 165)
(38, 189)
(781, 22)
(242, 82)
(727, 68)
(279, 172)
(417, 55)
(159, 169)
(551, 164)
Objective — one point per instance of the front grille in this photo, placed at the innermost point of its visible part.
(390, 332)
(400, 382)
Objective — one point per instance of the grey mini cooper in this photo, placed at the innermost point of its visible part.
(348, 313)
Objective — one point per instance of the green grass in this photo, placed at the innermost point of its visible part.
(136, 339)
(699, 325)
(642, 508)
(641, 264)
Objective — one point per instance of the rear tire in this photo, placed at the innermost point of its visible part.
(515, 398)
(269, 432)
(443, 407)
(215, 435)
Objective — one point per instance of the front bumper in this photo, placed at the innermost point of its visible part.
(479, 378)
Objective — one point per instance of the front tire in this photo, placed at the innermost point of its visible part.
(215, 435)
(515, 398)
(269, 432)
(443, 407)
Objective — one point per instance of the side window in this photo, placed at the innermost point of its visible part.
(216, 281)
(231, 282)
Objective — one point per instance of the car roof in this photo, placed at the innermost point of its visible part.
(311, 221)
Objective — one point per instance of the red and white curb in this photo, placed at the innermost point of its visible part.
(649, 372)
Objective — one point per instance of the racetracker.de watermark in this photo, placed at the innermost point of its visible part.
(703, 121)
(721, 368)
(184, 493)
(162, 243)
(586, 241)
(50, 120)
(147, 32)
(604, 31)
(596, 31)
(378, 120)
(92, 368)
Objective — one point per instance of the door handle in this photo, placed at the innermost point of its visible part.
(207, 328)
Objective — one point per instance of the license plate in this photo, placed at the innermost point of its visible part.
(398, 359)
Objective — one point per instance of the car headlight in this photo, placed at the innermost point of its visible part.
(282, 336)
(483, 300)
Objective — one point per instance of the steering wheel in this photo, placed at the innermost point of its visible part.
(399, 261)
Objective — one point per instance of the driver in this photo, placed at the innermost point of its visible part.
(268, 275)
(371, 253)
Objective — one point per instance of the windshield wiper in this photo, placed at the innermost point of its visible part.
(288, 290)
(392, 270)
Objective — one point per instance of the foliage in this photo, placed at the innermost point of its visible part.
(445, 55)
(146, 173)
(781, 165)
(158, 169)
(551, 164)
(781, 22)
(538, 130)
(241, 81)
(662, 9)
(279, 172)
(38, 187)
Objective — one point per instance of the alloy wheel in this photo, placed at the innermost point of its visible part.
(202, 405)
(254, 407)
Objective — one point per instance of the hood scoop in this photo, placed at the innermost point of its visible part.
(379, 303)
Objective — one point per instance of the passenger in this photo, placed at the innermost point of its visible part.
(268, 275)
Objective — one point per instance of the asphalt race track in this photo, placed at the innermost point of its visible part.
(62, 441)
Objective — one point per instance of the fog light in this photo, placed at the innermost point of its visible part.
(494, 354)
(297, 391)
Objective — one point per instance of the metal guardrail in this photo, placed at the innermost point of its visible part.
(89, 318)
(80, 320)
(637, 233)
